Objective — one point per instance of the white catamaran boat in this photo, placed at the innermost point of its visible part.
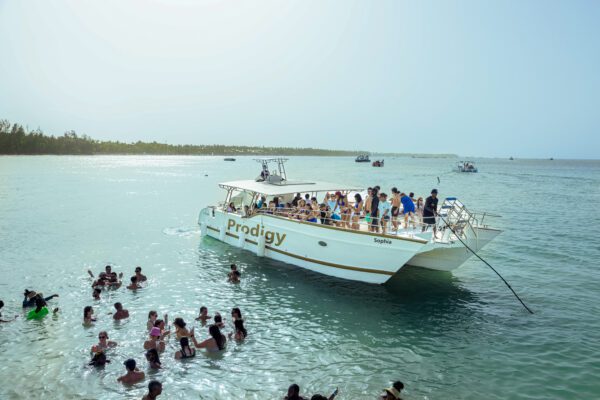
(350, 253)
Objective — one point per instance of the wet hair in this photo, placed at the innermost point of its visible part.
(103, 333)
(239, 326)
(138, 269)
(218, 318)
(215, 332)
(398, 385)
(40, 302)
(99, 359)
(358, 197)
(118, 306)
(179, 322)
(86, 310)
(151, 313)
(293, 390)
(237, 311)
(108, 267)
(153, 353)
(158, 322)
(134, 279)
(233, 267)
(130, 364)
(203, 308)
(97, 290)
(153, 386)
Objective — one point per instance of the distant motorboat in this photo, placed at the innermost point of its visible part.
(377, 163)
(511, 159)
(229, 159)
(362, 158)
(466, 166)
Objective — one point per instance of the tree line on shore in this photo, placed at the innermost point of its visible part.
(14, 139)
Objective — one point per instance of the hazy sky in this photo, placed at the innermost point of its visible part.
(501, 78)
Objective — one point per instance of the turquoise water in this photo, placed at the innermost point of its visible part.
(459, 335)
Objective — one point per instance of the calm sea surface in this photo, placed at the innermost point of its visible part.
(460, 335)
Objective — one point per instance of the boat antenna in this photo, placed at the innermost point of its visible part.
(486, 263)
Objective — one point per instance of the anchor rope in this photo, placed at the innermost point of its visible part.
(486, 263)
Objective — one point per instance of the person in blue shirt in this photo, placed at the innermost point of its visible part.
(408, 210)
(31, 296)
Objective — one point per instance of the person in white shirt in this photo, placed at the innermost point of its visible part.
(385, 209)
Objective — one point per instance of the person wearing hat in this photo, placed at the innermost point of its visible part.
(430, 211)
(133, 375)
(393, 392)
(154, 342)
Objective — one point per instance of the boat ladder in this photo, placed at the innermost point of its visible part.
(455, 219)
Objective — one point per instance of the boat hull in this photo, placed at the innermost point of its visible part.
(346, 254)
(448, 256)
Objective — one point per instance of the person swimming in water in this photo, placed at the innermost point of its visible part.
(233, 268)
(180, 329)
(236, 313)
(88, 313)
(121, 312)
(219, 321)
(161, 324)
(215, 343)
(234, 277)
(134, 285)
(5, 320)
(133, 375)
(153, 359)
(203, 316)
(138, 274)
(96, 293)
(103, 343)
(155, 341)
(99, 359)
(240, 332)
(31, 296)
(186, 351)
(154, 390)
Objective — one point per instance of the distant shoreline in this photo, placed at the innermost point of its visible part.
(16, 140)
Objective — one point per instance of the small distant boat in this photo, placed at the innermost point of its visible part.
(466, 166)
(377, 163)
(362, 158)
(511, 159)
(229, 159)
(551, 158)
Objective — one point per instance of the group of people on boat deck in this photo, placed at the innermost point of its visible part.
(381, 212)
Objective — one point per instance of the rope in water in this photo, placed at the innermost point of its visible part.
(488, 264)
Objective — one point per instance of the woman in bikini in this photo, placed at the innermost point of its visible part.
(186, 351)
(357, 211)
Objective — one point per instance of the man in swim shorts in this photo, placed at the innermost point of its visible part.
(430, 211)
(395, 208)
(408, 210)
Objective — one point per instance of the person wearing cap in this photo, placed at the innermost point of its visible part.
(430, 211)
(133, 375)
(154, 390)
(155, 341)
(393, 392)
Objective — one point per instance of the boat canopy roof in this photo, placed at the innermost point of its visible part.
(287, 187)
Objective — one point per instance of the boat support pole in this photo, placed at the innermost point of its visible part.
(488, 264)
